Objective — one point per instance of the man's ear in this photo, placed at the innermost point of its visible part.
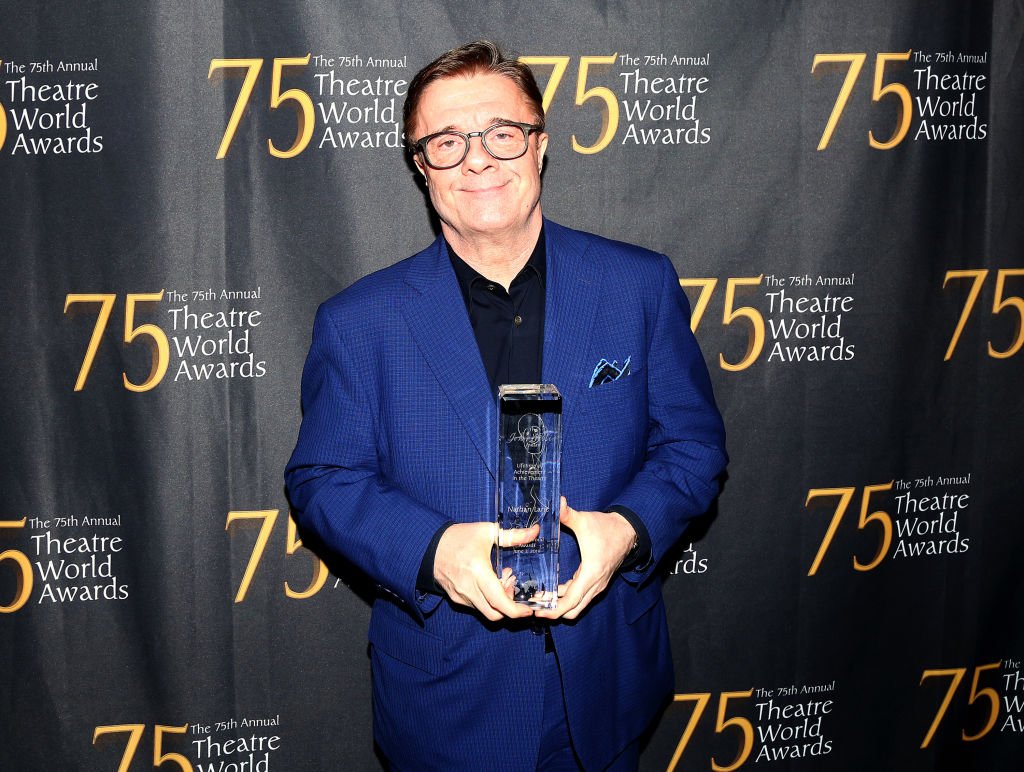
(542, 146)
(418, 160)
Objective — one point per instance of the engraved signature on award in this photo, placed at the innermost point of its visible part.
(530, 432)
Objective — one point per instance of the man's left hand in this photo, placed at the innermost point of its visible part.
(605, 538)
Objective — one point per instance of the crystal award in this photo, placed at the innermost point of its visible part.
(529, 468)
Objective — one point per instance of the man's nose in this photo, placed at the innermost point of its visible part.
(477, 158)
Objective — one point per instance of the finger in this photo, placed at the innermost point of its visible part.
(476, 587)
(580, 607)
(578, 591)
(571, 518)
(487, 610)
(573, 595)
(564, 588)
(478, 602)
(566, 514)
(515, 537)
(495, 595)
(476, 598)
(508, 582)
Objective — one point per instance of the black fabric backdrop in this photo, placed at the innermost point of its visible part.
(133, 632)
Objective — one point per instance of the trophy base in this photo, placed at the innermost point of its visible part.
(536, 577)
(539, 600)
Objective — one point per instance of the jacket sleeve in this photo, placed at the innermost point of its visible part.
(686, 442)
(333, 478)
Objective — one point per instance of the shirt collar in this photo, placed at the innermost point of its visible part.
(466, 275)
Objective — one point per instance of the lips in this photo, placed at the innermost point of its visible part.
(487, 189)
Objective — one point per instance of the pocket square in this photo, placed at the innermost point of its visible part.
(606, 371)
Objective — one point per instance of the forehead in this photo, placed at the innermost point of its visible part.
(470, 103)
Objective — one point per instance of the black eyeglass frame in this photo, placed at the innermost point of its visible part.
(528, 128)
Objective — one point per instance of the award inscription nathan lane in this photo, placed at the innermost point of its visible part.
(529, 467)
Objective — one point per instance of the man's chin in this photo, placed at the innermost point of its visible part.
(490, 223)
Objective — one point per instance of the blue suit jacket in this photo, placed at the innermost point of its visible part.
(398, 436)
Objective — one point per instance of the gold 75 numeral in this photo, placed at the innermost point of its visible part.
(845, 495)
(753, 317)
(608, 104)
(856, 62)
(269, 517)
(277, 98)
(956, 675)
(700, 701)
(158, 339)
(999, 304)
(134, 732)
(24, 567)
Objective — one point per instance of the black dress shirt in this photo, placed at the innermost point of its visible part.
(508, 325)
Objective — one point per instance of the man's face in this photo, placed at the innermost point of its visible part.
(482, 196)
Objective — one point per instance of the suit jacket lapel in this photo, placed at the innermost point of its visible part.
(572, 296)
(439, 324)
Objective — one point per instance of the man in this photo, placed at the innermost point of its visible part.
(395, 462)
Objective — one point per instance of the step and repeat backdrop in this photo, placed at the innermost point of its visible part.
(838, 185)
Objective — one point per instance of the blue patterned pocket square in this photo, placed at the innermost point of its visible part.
(606, 371)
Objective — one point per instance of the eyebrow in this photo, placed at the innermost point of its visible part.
(495, 120)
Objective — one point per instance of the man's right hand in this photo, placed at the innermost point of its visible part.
(463, 569)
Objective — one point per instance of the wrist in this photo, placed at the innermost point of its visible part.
(639, 553)
(630, 537)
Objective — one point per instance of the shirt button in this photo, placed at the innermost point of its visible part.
(518, 320)
(490, 287)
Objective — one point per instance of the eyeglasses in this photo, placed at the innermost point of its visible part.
(505, 141)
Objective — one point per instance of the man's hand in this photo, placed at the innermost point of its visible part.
(605, 538)
(463, 569)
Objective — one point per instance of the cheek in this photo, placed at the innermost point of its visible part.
(442, 199)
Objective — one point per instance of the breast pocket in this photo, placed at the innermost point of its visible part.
(616, 395)
(610, 431)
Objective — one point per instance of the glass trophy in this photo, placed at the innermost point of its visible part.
(529, 469)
